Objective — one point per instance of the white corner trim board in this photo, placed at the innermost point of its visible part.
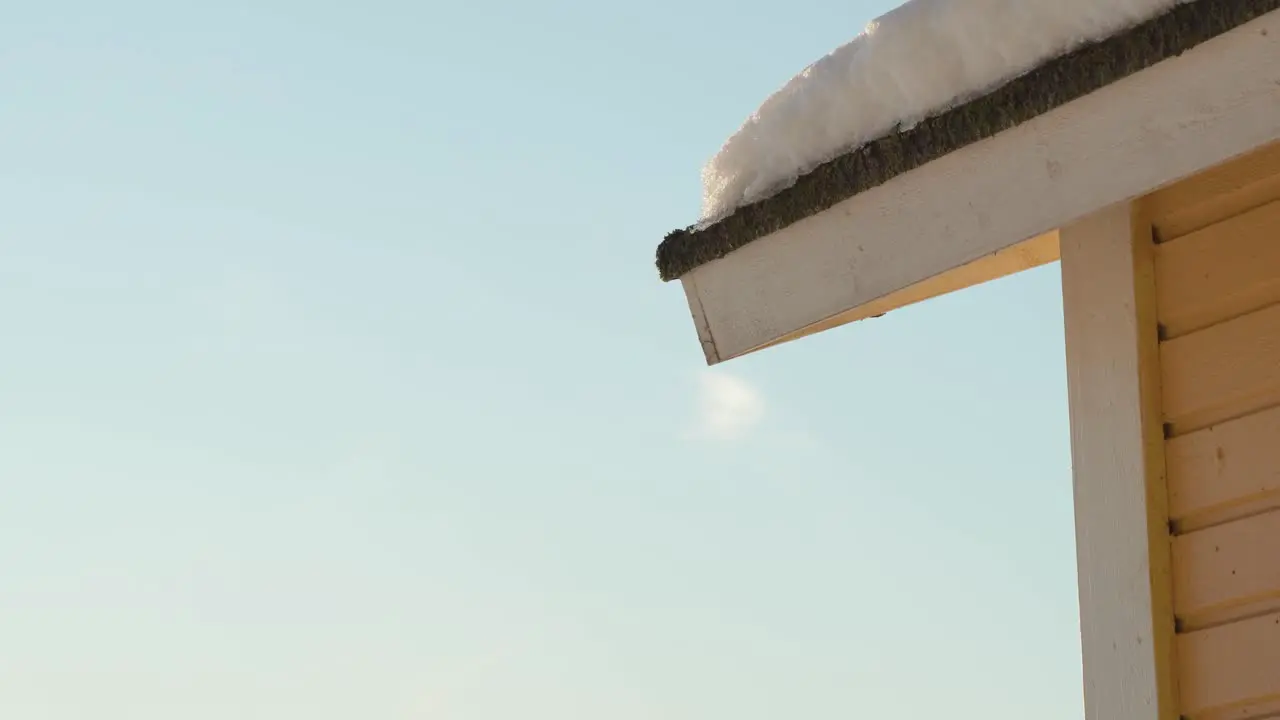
(1117, 459)
(1183, 115)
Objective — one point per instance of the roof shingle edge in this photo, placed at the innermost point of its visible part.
(1050, 85)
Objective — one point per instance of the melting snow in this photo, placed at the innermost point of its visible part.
(911, 63)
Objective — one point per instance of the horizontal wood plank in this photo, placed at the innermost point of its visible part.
(1227, 190)
(1225, 471)
(1227, 572)
(1222, 372)
(1231, 671)
(1219, 272)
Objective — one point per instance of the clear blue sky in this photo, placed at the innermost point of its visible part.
(336, 381)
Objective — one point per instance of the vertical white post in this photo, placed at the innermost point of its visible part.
(1117, 452)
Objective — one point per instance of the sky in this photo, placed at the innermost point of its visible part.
(337, 381)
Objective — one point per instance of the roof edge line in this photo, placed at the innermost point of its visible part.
(1049, 86)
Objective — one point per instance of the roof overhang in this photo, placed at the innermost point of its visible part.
(992, 207)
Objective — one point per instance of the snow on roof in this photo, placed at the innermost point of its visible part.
(925, 80)
(908, 64)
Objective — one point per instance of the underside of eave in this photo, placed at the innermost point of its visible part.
(1051, 85)
(1032, 253)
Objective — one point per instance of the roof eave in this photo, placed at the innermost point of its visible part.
(985, 210)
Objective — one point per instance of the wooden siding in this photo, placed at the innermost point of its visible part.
(1217, 276)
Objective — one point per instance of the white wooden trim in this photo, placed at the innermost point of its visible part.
(1039, 250)
(1117, 453)
(1218, 101)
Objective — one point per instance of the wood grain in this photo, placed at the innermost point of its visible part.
(1117, 453)
(1222, 372)
(1227, 572)
(1231, 671)
(1224, 472)
(1219, 272)
(1227, 190)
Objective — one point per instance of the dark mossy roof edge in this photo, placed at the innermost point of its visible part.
(1051, 85)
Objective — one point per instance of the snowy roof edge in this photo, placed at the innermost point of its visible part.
(1035, 93)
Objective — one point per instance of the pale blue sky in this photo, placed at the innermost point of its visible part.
(336, 382)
